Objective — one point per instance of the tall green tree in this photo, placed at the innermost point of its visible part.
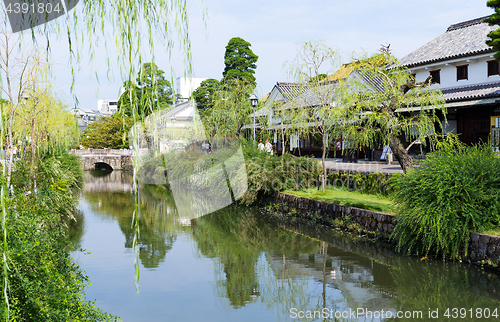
(381, 102)
(240, 61)
(107, 132)
(231, 110)
(493, 20)
(204, 95)
(150, 92)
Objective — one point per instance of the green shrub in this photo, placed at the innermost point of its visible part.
(55, 170)
(44, 282)
(267, 174)
(373, 183)
(455, 191)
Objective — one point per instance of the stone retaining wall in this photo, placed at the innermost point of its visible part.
(325, 213)
(483, 249)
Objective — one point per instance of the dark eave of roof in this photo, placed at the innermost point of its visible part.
(430, 61)
(470, 92)
(466, 24)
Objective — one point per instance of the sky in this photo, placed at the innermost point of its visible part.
(275, 28)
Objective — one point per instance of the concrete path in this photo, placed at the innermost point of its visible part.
(364, 166)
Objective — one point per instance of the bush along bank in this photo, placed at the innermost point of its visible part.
(44, 284)
(365, 182)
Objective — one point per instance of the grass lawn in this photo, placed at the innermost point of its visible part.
(351, 198)
(492, 232)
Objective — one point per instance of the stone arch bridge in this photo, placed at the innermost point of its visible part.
(104, 158)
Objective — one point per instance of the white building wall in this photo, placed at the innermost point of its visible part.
(107, 106)
(477, 71)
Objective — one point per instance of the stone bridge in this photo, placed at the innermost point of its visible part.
(104, 159)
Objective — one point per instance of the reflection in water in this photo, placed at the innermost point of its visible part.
(76, 228)
(270, 267)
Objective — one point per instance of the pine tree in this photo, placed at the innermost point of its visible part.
(494, 19)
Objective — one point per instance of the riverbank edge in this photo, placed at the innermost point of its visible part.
(483, 249)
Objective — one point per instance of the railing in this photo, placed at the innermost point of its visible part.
(102, 152)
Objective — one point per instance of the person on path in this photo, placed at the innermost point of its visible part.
(261, 146)
(269, 147)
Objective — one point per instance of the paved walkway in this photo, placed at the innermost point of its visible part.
(381, 167)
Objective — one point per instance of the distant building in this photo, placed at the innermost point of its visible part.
(107, 107)
(84, 117)
(185, 86)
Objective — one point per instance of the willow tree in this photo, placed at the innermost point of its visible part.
(230, 111)
(381, 102)
(136, 27)
(311, 112)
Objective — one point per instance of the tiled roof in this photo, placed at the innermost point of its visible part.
(290, 90)
(460, 40)
(468, 92)
(314, 96)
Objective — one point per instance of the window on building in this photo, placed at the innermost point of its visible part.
(435, 75)
(462, 72)
(493, 68)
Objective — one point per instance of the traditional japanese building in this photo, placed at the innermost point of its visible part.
(462, 66)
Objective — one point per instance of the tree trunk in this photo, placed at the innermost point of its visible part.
(404, 159)
(323, 162)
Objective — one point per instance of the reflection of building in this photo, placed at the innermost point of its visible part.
(185, 86)
(358, 279)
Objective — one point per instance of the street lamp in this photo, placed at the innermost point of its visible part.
(253, 100)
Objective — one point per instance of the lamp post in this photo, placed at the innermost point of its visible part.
(253, 100)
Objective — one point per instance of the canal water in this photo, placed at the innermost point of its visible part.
(239, 265)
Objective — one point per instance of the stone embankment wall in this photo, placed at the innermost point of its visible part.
(483, 249)
(325, 213)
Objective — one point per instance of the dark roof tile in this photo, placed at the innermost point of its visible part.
(460, 40)
(484, 90)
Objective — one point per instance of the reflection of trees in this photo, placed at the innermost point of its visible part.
(75, 227)
(156, 221)
(237, 237)
(441, 285)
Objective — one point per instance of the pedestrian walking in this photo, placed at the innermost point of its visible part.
(261, 146)
(269, 147)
